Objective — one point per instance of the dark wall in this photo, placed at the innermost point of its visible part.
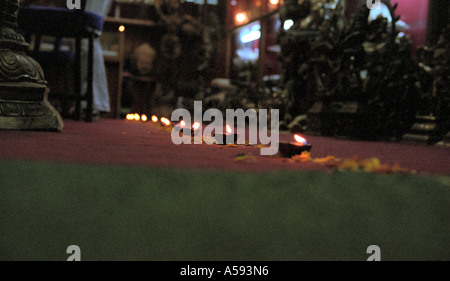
(352, 6)
(438, 18)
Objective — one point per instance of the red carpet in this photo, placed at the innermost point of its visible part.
(109, 141)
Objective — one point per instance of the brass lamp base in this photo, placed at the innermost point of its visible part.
(29, 110)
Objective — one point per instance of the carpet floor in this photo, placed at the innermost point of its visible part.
(122, 191)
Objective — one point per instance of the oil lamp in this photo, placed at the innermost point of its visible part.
(165, 122)
(226, 138)
(297, 147)
(193, 131)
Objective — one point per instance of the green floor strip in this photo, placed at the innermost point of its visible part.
(129, 213)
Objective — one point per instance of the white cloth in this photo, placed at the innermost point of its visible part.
(100, 7)
(101, 95)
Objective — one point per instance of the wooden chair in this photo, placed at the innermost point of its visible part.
(62, 22)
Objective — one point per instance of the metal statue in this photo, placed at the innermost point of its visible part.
(23, 89)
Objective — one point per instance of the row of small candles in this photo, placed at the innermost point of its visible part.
(144, 118)
(193, 130)
(287, 149)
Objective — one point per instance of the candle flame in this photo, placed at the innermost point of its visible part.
(154, 118)
(182, 123)
(137, 117)
(196, 126)
(165, 121)
(144, 118)
(130, 117)
(229, 131)
(300, 139)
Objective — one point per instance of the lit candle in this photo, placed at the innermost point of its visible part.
(144, 118)
(155, 119)
(193, 131)
(165, 122)
(226, 138)
(130, 117)
(289, 149)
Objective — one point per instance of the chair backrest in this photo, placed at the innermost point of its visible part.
(53, 17)
(62, 4)
(52, 3)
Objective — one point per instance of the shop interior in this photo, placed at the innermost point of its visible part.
(355, 95)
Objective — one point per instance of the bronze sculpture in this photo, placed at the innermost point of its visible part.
(23, 89)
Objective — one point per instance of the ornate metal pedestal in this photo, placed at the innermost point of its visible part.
(23, 92)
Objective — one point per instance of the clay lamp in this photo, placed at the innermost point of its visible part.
(165, 122)
(296, 147)
(226, 138)
(130, 117)
(193, 131)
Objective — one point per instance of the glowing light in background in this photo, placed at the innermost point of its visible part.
(248, 54)
(288, 24)
(241, 18)
(250, 37)
(251, 34)
(122, 28)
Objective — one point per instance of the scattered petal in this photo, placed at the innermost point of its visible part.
(304, 157)
(329, 161)
(349, 165)
(232, 145)
(244, 157)
(371, 165)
